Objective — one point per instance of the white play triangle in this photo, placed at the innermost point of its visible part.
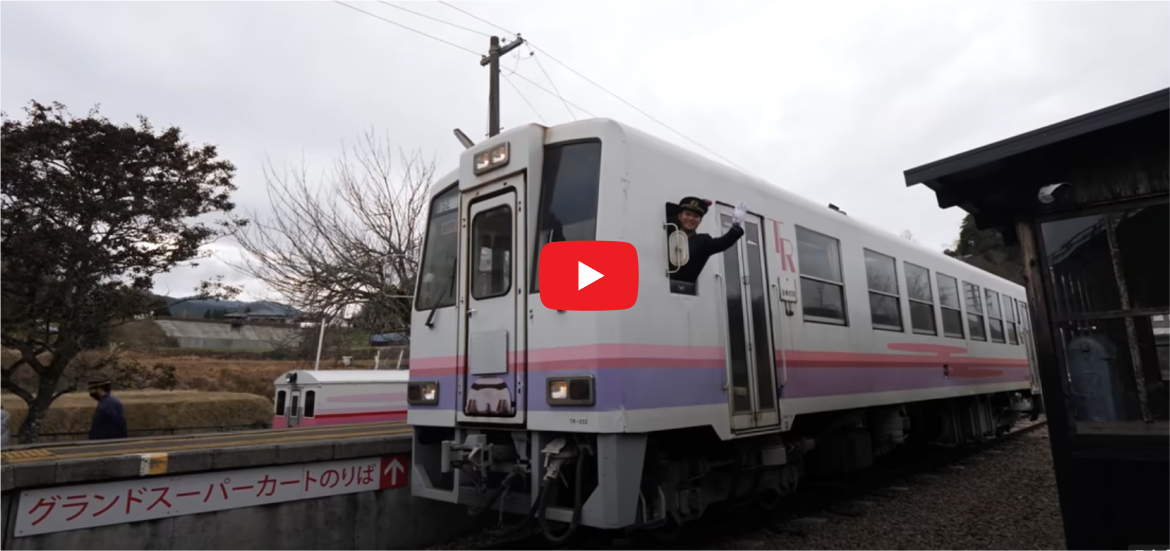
(586, 275)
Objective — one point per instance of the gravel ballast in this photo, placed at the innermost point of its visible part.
(1001, 498)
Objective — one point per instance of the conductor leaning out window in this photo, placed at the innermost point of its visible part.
(702, 246)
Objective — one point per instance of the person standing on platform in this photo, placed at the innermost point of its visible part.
(109, 420)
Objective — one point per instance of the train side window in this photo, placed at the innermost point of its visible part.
(676, 287)
(822, 285)
(952, 310)
(281, 396)
(881, 276)
(310, 403)
(1009, 317)
(921, 299)
(994, 316)
(974, 312)
(569, 184)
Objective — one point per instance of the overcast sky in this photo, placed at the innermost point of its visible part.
(831, 100)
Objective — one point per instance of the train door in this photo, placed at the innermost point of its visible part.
(494, 364)
(1025, 331)
(751, 358)
(293, 415)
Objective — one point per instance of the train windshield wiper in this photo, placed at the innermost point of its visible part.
(443, 295)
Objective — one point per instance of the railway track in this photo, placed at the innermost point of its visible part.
(847, 495)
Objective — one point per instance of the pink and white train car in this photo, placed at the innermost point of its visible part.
(306, 398)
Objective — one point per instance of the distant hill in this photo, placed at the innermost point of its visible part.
(200, 308)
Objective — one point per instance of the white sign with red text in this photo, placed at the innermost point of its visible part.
(88, 505)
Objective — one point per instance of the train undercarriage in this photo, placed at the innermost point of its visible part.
(661, 481)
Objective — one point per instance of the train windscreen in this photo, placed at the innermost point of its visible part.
(441, 254)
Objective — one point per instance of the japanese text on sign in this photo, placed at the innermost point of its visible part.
(85, 506)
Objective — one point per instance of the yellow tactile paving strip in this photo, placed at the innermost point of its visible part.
(202, 441)
(26, 455)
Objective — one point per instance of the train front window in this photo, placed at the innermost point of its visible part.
(570, 183)
(440, 256)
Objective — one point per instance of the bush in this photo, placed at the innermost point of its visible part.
(150, 412)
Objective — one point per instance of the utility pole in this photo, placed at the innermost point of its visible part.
(492, 60)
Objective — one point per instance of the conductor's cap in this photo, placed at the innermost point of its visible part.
(695, 205)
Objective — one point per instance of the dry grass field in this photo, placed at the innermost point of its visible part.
(224, 375)
(250, 376)
(209, 392)
(170, 389)
(149, 412)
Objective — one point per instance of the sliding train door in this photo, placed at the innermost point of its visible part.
(751, 363)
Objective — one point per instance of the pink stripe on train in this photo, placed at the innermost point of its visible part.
(280, 422)
(618, 356)
(378, 397)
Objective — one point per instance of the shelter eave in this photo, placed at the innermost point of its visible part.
(934, 174)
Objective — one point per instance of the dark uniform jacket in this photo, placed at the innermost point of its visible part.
(109, 421)
(702, 247)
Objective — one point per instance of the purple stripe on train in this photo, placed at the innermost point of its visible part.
(817, 381)
(649, 387)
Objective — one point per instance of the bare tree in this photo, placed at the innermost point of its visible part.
(352, 243)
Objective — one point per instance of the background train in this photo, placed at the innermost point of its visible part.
(814, 344)
(306, 398)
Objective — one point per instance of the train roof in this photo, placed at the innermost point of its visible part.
(346, 376)
(631, 136)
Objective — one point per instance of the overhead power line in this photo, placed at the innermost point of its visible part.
(549, 92)
(523, 97)
(591, 81)
(476, 17)
(550, 81)
(416, 31)
(436, 19)
(511, 72)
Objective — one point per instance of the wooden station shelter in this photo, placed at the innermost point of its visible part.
(1087, 201)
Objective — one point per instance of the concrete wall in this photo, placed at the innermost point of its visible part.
(379, 519)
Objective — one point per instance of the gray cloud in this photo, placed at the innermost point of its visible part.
(830, 100)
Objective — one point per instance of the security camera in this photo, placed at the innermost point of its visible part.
(1046, 194)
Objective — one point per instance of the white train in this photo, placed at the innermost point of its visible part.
(309, 398)
(813, 344)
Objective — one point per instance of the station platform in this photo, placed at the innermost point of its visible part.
(92, 449)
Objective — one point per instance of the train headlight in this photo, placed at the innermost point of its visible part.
(422, 393)
(571, 391)
(496, 157)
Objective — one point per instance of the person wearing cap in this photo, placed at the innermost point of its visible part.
(702, 246)
(109, 419)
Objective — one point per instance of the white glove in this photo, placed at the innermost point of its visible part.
(740, 210)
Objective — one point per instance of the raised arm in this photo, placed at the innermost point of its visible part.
(725, 241)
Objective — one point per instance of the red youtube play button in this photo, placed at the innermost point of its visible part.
(588, 275)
